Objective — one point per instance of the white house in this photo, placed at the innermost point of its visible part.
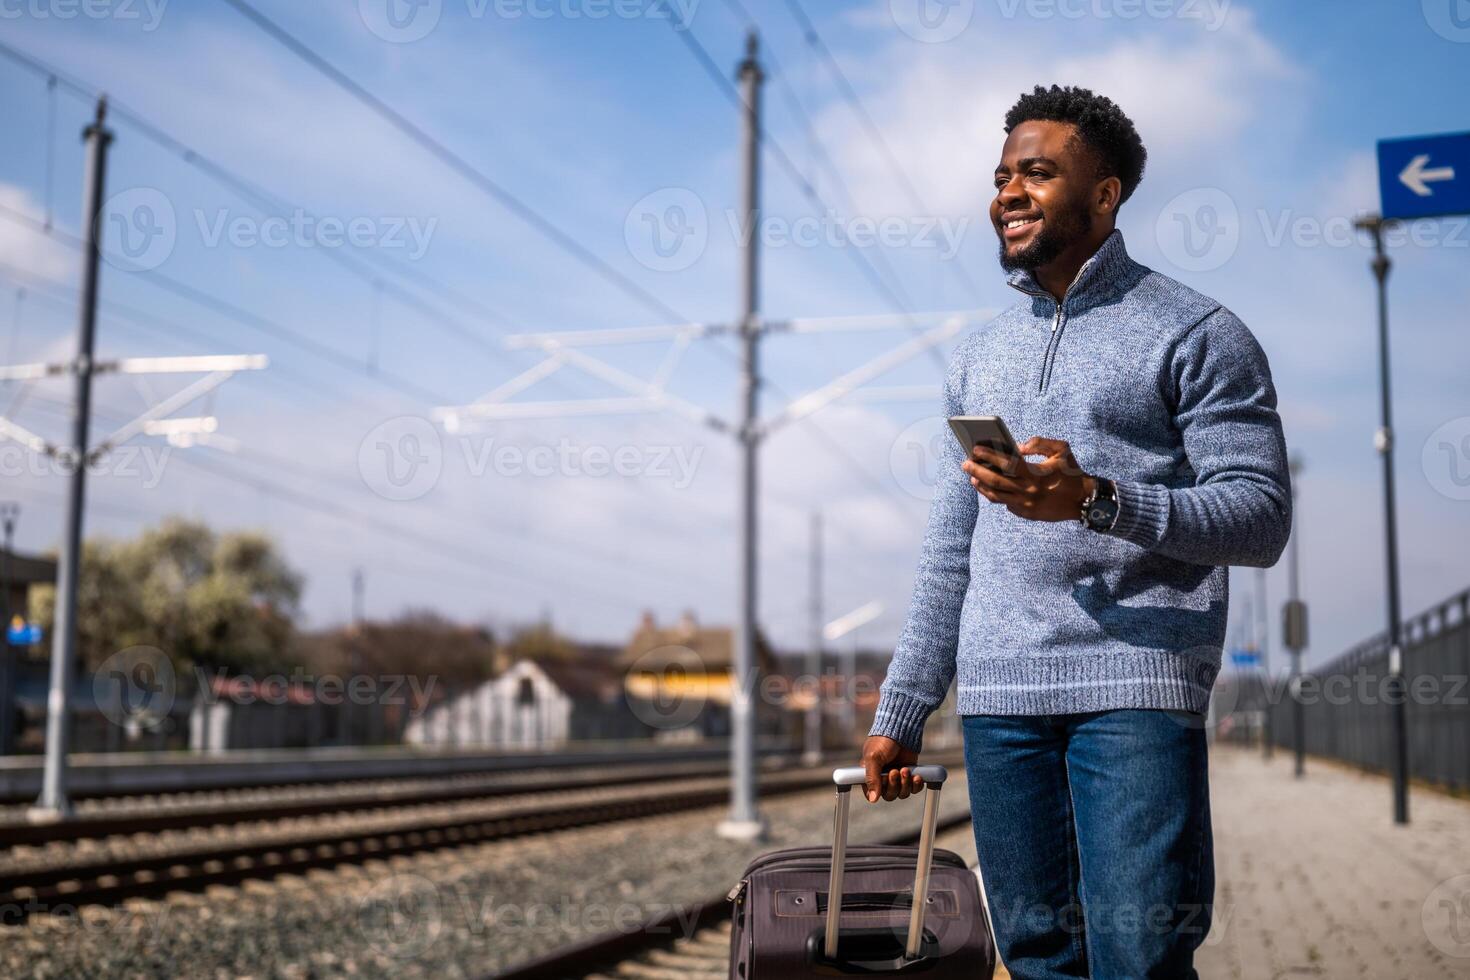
(522, 708)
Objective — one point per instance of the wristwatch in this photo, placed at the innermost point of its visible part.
(1100, 509)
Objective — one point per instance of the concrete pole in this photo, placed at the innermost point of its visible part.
(1298, 711)
(744, 822)
(813, 749)
(9, 672)
(53, 803)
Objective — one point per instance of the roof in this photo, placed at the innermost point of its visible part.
(584, 679)
(653, 647)
(29, 569)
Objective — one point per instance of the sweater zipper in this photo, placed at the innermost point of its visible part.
(1051, 348)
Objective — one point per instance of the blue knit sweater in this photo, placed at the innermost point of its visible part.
(1167, 393)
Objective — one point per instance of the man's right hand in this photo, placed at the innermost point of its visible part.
(880, 752)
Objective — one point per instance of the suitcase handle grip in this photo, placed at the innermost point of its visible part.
(846, 778)
(856, 775)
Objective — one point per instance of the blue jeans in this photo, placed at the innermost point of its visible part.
(1093, 833)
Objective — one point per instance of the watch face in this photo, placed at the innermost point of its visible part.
(1102, 513)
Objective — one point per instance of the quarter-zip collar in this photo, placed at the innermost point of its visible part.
(1104, 273)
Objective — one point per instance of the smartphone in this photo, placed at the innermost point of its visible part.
(987, 430)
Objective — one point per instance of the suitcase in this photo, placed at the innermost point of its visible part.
(897, 911)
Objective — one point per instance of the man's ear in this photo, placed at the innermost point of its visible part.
(1106, 196)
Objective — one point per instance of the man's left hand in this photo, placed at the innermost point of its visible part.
(1052, 490)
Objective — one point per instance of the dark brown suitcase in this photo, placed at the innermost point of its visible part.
(786, 923)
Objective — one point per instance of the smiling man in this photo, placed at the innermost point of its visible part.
(1080, 599)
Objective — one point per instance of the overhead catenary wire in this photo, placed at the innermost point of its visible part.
(64, 296)
(240, 315)
(297, 467)
(332, 507)
(244, 316)
(268, 203)
(477, 178)
(892, 293)
(814, 40)
(344, 361)
(457, 163)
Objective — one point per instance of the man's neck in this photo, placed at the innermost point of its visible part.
(1058, 274)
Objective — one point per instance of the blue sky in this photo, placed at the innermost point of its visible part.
(1267, 113)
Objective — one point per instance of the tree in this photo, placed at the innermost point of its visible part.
(539, 642)
(223, 601)
(419, 643)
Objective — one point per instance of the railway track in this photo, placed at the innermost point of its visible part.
(688, 943)
(144, 820)
(112, 879)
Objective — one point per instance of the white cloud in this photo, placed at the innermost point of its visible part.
(27, 249)
(1192, 95)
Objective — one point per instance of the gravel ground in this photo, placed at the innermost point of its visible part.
(457, 912)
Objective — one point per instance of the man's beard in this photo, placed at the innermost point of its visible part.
(1058, 232)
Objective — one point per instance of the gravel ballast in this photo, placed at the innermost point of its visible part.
(455, 912)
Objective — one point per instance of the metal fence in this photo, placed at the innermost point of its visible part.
(1347, 702)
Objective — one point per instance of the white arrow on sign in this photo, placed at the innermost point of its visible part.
(1417, 179)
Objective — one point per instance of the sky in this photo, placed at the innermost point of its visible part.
(586, 176)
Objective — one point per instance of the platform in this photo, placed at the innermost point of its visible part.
(1313, 877)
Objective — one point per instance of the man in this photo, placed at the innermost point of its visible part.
(1081, 599)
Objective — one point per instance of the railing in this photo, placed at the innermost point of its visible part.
(1347, 702)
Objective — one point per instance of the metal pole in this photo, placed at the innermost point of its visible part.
(849, 701)
(744, 822)
(53, 803)
(1264, 639)
(813, 750)
(1298, 712)
(357, 597)
(9, 675)
(1383, 440)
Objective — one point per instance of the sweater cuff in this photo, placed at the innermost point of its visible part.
(1143, 513)
(901, 717)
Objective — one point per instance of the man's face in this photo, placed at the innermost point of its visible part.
(1044, 181)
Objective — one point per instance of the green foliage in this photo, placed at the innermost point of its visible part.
(207, 599)
(539, 642)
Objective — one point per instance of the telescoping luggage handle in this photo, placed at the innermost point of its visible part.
(846, 778)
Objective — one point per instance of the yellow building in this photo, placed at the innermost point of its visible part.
(680, 676)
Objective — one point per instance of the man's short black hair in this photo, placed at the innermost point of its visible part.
(1100, 124)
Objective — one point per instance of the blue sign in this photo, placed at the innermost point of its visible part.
(1424, 176)
(22, 634)
(1245, 658)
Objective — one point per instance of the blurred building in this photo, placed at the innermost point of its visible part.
(22, 573)
(533, 704)
(680, 678)
(23, 681)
